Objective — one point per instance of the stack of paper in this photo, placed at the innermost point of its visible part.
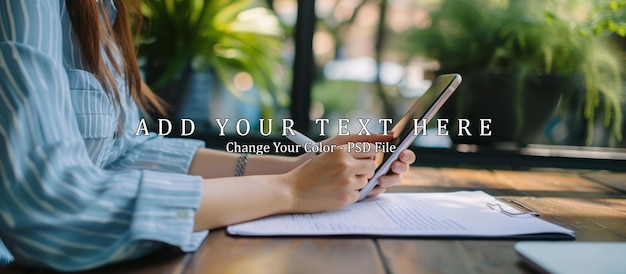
(454, 214)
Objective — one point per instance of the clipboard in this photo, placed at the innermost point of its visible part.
(462, 214)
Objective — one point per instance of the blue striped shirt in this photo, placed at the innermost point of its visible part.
(72, 196)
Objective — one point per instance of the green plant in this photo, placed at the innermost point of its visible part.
(227, 36)
(609, 16)
(524, 37)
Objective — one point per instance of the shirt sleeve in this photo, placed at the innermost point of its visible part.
(156, 153)
(57, 209)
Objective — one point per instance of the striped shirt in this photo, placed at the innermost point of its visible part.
(72, 196)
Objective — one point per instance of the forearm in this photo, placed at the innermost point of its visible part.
(210, 163)
(321, 183)
(233, 200)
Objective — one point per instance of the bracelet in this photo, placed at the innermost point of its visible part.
(240, 166)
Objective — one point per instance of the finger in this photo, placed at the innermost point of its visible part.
(364, 167)
(377, 191)
(363, 154)
(389, 180)
(360, 182)
(354, 197)
(399, 167)
(407, 156)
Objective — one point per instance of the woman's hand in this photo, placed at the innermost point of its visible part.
(405, 159)
(333, 180)
(329, 181)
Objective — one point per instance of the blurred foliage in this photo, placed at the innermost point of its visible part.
(228, 36)
(338, 97)
(609, 16)
(523, 37)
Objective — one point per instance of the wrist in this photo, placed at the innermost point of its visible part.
(285, 192)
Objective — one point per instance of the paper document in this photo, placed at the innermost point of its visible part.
(454, 214)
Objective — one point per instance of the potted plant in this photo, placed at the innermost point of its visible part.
(519, 59)
(224, 37)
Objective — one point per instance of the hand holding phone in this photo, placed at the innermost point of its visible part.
(405, 131)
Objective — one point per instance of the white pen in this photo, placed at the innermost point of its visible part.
(301, 139)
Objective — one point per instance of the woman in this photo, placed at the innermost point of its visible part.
(79, 190)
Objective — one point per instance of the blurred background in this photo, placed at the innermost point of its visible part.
(550, 74)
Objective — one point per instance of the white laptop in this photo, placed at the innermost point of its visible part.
(574, 257)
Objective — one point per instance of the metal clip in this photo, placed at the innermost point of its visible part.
(526, 210)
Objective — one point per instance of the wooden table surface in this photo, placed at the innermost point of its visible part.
(593, 204)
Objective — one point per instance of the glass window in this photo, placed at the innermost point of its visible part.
(546, 73)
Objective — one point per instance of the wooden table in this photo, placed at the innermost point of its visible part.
(593, 204)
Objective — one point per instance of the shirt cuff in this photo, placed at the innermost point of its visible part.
(163, 154)
(165, 210)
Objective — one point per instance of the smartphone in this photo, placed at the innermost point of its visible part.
(405, 131)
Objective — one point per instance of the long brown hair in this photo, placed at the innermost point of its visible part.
(94, 30)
